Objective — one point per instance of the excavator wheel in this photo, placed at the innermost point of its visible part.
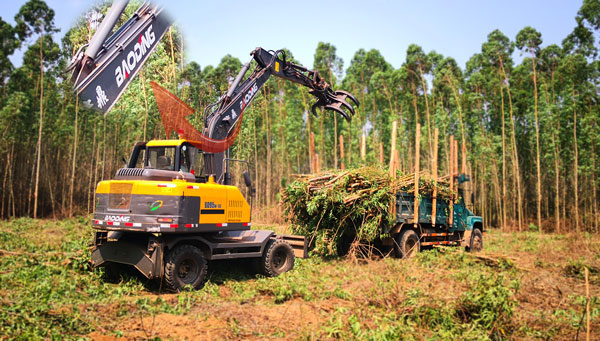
(277, 258)
(185, 266)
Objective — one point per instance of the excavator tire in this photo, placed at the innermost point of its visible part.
(277, 258)
(185, 266)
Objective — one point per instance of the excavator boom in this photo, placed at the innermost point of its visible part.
(102, 73)
(221, 123)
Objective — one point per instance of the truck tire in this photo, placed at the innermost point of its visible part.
(185, 265)
(476, 243)
(277, 258)
(407, 244)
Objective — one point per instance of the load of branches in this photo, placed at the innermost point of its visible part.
(349, 207)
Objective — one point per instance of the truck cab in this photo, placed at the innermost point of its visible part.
(454, 225)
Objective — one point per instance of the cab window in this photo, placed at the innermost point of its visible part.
(139, 162)
(186, 157)
(162, 158)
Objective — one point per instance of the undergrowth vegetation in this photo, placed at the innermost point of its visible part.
(521, 286)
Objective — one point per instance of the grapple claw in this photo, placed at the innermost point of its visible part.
(314, 108)
(348, 106)
(348, 95)
(336, 108)
(335, 101)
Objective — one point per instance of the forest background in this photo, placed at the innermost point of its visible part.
(530, 129)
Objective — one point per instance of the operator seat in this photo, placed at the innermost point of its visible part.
(163, 163)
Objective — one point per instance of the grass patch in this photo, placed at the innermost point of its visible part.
(49, 291)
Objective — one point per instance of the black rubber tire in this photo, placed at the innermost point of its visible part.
(184, 261)
(476, 243)
(278, 257)
(407, 244)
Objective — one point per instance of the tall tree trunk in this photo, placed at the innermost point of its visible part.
(557, 186)
(11, 180)
(515, 153)
(48, 179)
(41, 125)
(269, 156)
(92, 171)
(537, 147)
(575, 161)
(103, 147)
(74, 159)
(308, 129)
(429, 137)
(143, 80)
(255, 140)
(335, 143)
(5, 192)
(503, 160)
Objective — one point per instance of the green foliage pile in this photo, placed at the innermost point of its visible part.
(332, 207)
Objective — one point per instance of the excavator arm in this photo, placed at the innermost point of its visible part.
(111, 60)
(222, 121)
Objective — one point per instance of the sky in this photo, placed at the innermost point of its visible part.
(455, 28)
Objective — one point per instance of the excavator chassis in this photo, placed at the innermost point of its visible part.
(145, 251)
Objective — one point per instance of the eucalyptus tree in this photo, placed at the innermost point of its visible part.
(8, 43)
(363, 66)
(550, 58)
(496, 53)
(482, 102)
(417, 65)
(330, 67)
(35, 17)
(528, 39)
(573, 76)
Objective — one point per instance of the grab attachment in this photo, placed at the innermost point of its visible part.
(335, 101)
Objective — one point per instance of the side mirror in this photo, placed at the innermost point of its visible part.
(247, 179)
(124, 161)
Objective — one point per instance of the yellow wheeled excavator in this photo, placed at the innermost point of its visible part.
(172, 207)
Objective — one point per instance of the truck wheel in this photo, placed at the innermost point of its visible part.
(185, 265)
(406, 244)
(476, 244)
(277, 258)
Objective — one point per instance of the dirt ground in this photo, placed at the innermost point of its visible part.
(521, 286)
(546, 290)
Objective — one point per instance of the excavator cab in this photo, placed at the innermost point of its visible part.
(176, 156)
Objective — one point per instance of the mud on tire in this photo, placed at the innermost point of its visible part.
(277, 258)
(185, 265)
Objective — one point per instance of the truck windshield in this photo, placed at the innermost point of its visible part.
(161, 158)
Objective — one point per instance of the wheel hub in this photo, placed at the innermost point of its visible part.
(188, 270)
(279, 259)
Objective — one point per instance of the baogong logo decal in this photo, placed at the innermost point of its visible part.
(134, 56)
(117, 218)
(156, 205)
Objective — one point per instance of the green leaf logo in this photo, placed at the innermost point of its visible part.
(156, 205)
